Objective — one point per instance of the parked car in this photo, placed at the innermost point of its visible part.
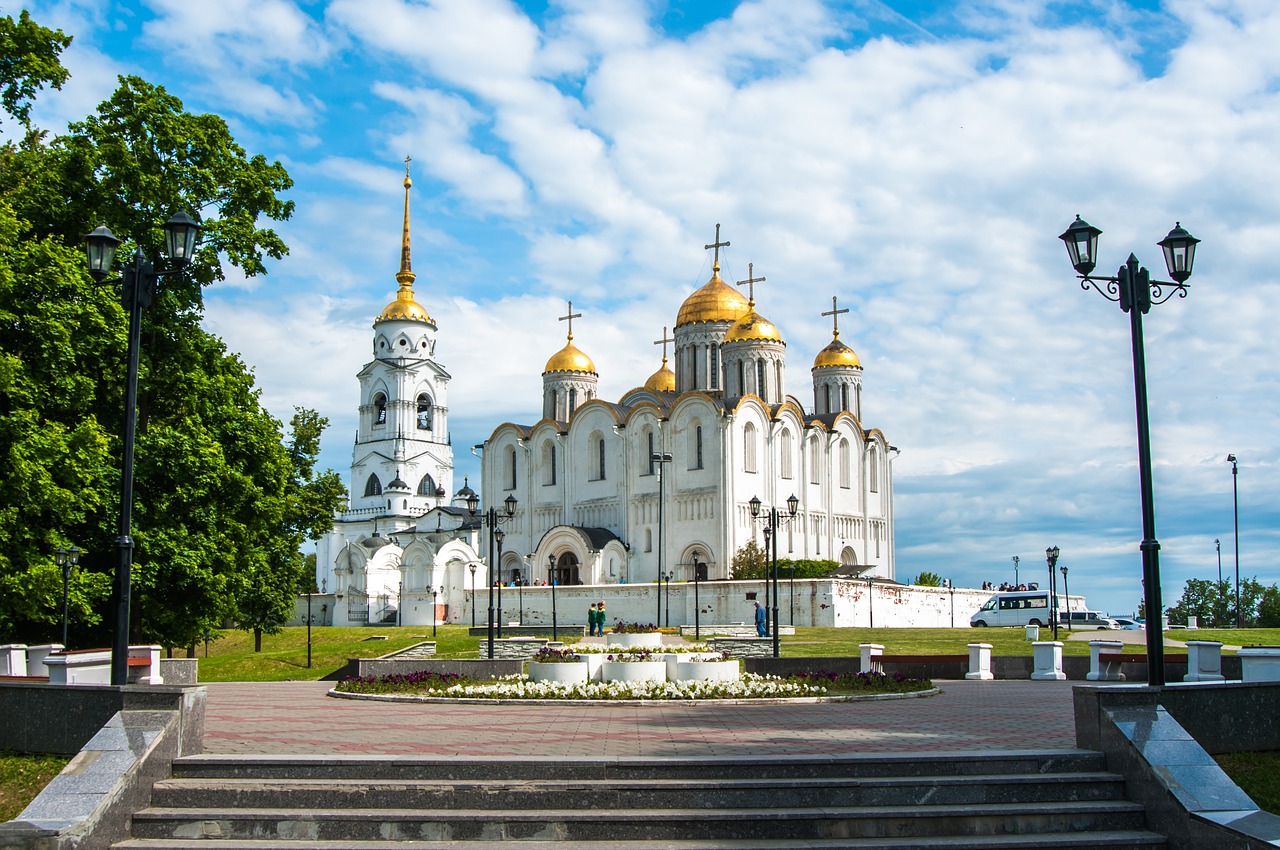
(1086, 620)
(1127, 624)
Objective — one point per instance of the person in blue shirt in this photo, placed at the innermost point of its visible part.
(762, 621)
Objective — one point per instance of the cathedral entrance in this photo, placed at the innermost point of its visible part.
(565, 571)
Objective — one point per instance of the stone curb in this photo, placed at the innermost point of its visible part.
(628, 702)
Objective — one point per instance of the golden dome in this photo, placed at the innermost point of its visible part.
(753, 327)
(716, 301)
(663, 380)
(570, 359)
(836, 355)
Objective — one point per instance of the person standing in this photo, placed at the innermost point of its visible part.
(762, 621)
(600, 617)
(591, 620)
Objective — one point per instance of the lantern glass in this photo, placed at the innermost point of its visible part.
(755, 506)
(180, 235)
(1081, 239)
(510, 503)
(793, 504)
(1179, 252)
(100, 247)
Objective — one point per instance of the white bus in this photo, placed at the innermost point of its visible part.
(1016, 608)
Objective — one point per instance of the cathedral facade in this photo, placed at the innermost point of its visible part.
(667, 477)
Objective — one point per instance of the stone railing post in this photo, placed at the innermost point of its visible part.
(1204, 661)
(1260, 663)
(979, 662)
(1102, 668)
(870, 653)
(1048, 661)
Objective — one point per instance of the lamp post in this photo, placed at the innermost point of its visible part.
(793, 592)
(661, 459)
(1217, 609)
(1235, 515)
(1066, 593)
(498, 536)
(472, 567)
(1051, 558)
(951, 585)
(491, 518)
(433, 610)
(308, 630)
(668, 576)
(138, 288)
(1015, 572)
(520, 593)
(871, 611)
(774, 522)
(66, 559)
(697, 605)
(551, 573)
(1134, 290)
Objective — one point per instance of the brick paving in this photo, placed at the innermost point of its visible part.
(296, 718)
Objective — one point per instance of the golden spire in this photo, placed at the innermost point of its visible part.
(405, 307)
(405, 276)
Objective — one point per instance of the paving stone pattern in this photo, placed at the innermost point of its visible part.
(297, 718)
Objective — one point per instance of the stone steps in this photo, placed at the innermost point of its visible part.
(1058, 799)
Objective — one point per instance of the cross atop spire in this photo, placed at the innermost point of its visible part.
(834, 313)
(405, 276)
(569, 318)
(717, 245)
(663, 342)
(751, 282)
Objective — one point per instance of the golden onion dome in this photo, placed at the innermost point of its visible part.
(716, 301)
(663, 380)
(570, 359)
(836, 355)
(753, 328)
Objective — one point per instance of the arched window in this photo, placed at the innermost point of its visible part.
(714, 372)
(742, 378)
(844, 463)
(511, 469)
(424, 412)
(549, 462)
(873, 470)
(380, 409)
(784, 453)
(649, 440)
(648, 540)
(373, 487)
(815, 461)
(600, 459)
(573, 400)
(697, 445)
(760, 390)
(844, 396)
(749, 448)
(826, 392)
(427, 486)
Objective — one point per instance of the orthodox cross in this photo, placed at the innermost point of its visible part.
(751, 282)
(663, 342)
(407, 160)
(569, 318)
(717, 245)
(834, 313)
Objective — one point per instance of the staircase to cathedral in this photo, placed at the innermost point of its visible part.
(1053, 799)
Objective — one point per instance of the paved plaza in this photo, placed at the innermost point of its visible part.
(298, 718)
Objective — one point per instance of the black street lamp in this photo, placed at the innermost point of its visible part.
(520, 593)
(551, 573)
(498, 536)
(661, 459)
(668, 576)
(66, 559)
(1217, 609)
(774, 522)
(491, 518)
(1051, 558)
(138, 289)
(1015, 572)
(871, 611)
(1235, 514)
(472, 567)
(793, 592)
(433, 609)
(697, 605)
(1134, 290)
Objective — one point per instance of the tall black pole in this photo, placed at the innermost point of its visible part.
(551, 570)
(520, 591)
(1217, 609)
(773, 517)
(473, 596)
(308, 628)
(697, 605)
(137, 281)
(498, 537)
(433, 612)
(1066, 594)
(1051, 557)
(1235, 514)
(491, 518)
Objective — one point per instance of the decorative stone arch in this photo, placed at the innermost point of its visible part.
(849, 560)
(512, 566)
(706, 562)
(416, 562)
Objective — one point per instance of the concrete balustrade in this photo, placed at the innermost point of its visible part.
(979, 662)
(1047, 657)
(1104, 661)
(13, 659)
(36, 656)
(870, 654)
(1260, 663)
(1204, 661)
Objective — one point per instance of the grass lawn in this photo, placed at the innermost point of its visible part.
(1258, 774)
(22, 777)
(284, 656)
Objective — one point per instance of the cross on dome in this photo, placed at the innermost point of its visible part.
(750, 283)
(569, 318)
(663, 342)
(834, 313)
(717, 245)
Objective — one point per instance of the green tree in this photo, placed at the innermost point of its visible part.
(928, 579)
(214, 509)
(28, 62)
(1269, 608)
(749, 561)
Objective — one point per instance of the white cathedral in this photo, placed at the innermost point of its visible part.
(606, 493)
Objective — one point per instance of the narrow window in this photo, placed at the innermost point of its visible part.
(600, 458)
(650, 461)
(714, 374)
(697, 441)
(815, 462)
(742, 378)
(760, 379)
(785, 451)
(424, 412)
(844, 464)
(844, 396)
(379, 409)
(873, 471)
(373, 487)
(749, 448)
(511, 469)
(573, 400)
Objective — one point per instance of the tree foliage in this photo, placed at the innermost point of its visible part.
(928, 579)
(221, 503)
(1214, 602)
(752, 562)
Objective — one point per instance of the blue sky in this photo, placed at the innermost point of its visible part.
(915, 159)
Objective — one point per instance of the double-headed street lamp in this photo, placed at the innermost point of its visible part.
(1051, 558)
(551, 574)
(138, 282)
(472, 567)
(1015, 572)
(1235, 515)
(697, 605)
(66, 559)
(668, 576)
(773, 523)
(660, 460)
(1134, 290)
(492, 518)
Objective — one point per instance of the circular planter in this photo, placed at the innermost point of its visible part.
(570, 672)
(628, 639)
(634, 671)
(674, 658)
(713, 671)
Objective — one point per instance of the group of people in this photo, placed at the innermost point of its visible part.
(1008, 586)
(595, 619)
